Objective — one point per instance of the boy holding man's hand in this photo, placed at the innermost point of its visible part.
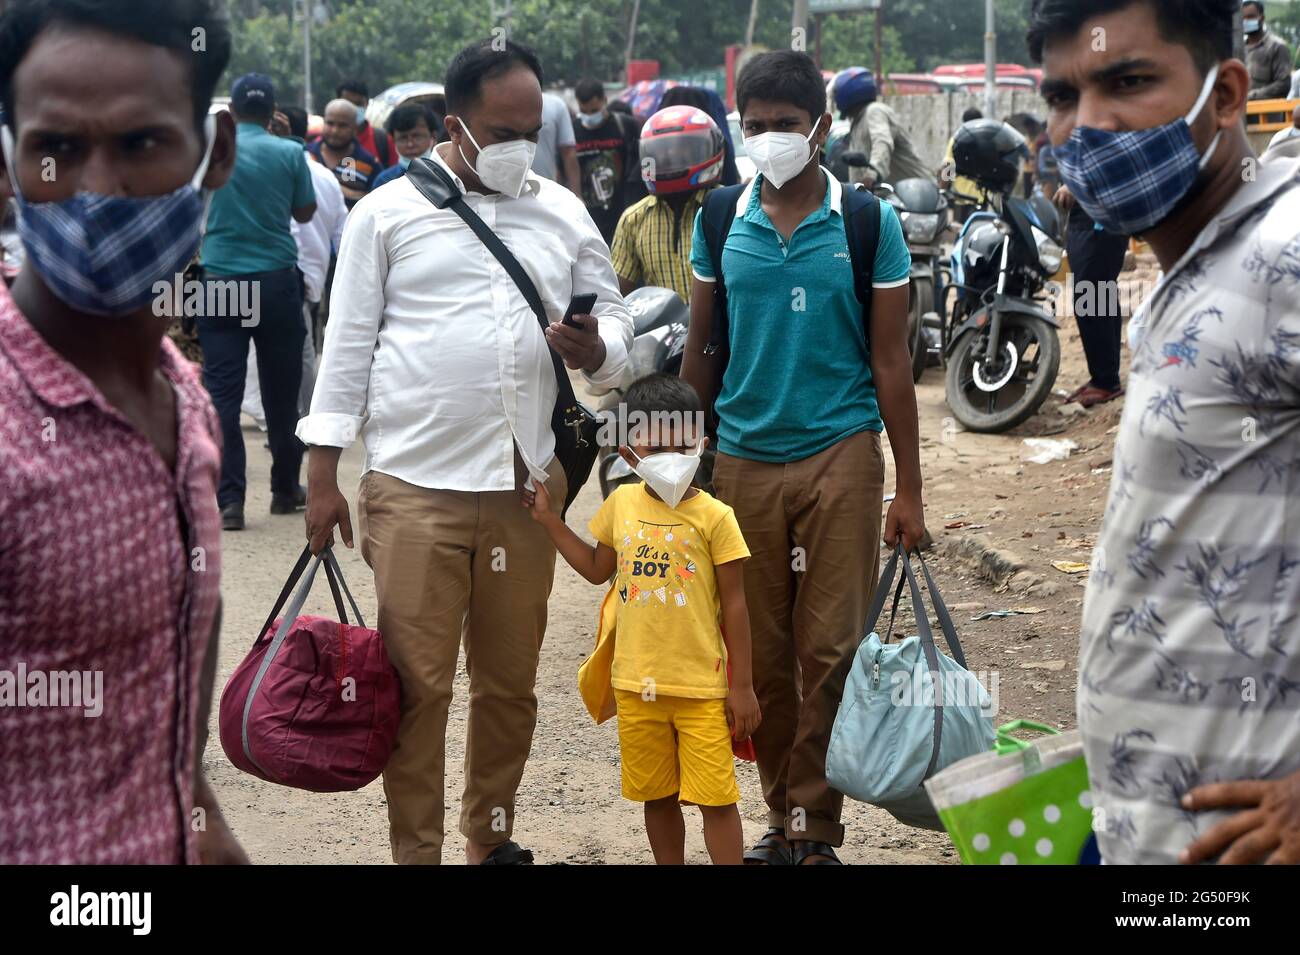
(675, 554)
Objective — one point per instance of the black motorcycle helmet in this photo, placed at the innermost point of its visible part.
(990, 152)
(919, 195)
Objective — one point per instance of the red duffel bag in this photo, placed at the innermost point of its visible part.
(315, 704)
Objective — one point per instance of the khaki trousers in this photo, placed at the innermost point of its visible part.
(813, 530)
(453, 566)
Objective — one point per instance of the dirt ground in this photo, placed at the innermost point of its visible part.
(569, 806)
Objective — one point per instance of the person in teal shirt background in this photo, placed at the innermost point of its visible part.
(248, 221)
(250, 259)
(805, 394)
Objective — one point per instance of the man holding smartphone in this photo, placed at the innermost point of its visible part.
(434, 357)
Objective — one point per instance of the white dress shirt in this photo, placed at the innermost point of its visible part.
(1282, 135)
(432, 354)
(318, 238)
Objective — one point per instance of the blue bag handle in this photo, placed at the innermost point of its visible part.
(922, 621)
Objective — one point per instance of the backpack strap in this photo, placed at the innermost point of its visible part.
(862, 226)
(719, 213)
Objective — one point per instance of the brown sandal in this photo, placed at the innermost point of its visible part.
(1091, 396)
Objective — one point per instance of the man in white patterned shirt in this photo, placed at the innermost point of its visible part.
(435, 358)
(1189, 667)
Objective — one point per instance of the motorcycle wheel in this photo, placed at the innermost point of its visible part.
(1032, 345)
(920, 301)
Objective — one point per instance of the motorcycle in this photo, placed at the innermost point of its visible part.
(659, 323)
(924, 214)
(1000, 346)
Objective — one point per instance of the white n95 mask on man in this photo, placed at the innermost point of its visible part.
(502, 166)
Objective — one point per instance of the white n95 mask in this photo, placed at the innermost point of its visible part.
(780, 156)
(669, 473)
(502, 166)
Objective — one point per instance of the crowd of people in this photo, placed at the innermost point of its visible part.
(732, 614)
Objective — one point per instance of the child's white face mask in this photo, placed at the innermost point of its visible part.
(669, 473)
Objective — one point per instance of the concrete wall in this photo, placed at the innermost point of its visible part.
(932, 118)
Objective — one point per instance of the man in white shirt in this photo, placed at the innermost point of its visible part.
(317, 242)
(434, 357)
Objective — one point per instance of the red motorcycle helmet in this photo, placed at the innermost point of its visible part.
(681, 150)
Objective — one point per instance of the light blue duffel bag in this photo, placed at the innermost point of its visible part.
(894, 729)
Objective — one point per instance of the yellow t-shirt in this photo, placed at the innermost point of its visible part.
(964, 186)
(668, 638)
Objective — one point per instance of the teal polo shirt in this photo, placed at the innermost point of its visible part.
(248, 221)
(799, 377)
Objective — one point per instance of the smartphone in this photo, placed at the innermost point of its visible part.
(581, 304)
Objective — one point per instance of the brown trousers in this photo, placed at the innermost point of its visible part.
(452, 566)
(813, 529)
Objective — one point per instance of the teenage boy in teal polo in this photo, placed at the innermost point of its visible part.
(808, 387)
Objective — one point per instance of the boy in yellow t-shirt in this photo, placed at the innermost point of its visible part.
(676, 555)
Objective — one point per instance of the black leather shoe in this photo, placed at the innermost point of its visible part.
(232, 517)
(289, 503)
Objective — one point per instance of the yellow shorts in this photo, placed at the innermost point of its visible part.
(676, 745)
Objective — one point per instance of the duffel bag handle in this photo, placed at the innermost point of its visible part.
(918, 606)
(334, 575)
(941, 611)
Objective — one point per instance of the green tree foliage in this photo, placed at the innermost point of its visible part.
(388, 41)
(952, 31)
(1285, 22)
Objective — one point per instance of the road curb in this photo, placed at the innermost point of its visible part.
(1004, 569)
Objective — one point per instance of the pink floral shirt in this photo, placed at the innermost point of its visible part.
(110, 569)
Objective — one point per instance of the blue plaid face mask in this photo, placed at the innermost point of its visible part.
(1131, 181)
(104, 255)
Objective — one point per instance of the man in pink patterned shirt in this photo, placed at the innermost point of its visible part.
(109, 532)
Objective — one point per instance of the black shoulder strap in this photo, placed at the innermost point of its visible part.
(383, 146)
(719, 213)
(862, 226)
(438, 187)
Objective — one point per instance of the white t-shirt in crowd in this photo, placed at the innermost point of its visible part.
(557, 132)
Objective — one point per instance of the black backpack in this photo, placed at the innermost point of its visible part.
(861, 213)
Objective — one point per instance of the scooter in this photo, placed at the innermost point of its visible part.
(1000, 346)
(924, 214)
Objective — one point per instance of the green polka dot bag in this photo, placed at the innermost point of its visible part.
(1026, 803)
